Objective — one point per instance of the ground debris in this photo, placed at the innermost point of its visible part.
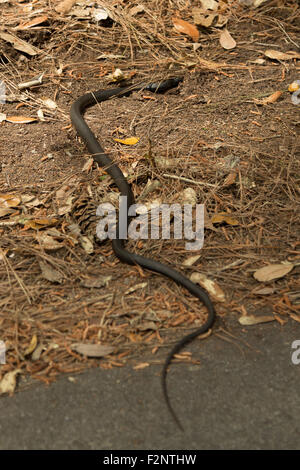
(226, 138)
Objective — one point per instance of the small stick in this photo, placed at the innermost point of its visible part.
(187, 180)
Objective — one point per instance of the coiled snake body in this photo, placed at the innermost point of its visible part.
(77, 111)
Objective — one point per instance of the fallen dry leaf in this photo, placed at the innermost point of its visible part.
(142, 365)
(65, 6)
(37, 224)
(35, 356)
(32, 346)
(9, 200)
(128, 141)
(88, 165)
(203, 17)
(189, 196)
(50, 104)
(211, 286)
(64, 197)
(136, 287)
(226, 40)
(207, 221)
(9, 381)
(222, 20)
(224, 217)
(272, 271)
(86, 244)
(230, 178)
(277, 55)
(50, 273)
(191, 260)
(137, 9)
(257, 3)
(47, 242)
(6, 211)
(92, 350)
(149, 325)
(265, 291)
(269, 99)
(247, 320)
(117, 76)
(30, 201)
(34, 22)
(186, 28)
(20, 119)
(96, 282)
(18, 43)
(209, 4)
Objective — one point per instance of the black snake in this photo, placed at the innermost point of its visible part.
(77, 111)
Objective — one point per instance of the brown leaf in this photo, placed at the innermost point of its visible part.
(32, 346)
(191, 260)
(18, 43)
(209, 4)
(269, 99)
(86, 244)
(272, 271)
(224, 217)
(96, 282)
(247, 320)
(230, 178)
(64, 197)
(92, 350)
(64, 6)
(226, 40)
(47, 242)
(221, 21)
(186, 28)
(128, 141)
(211, 286)
(8, 382)
(149, 325)
(88, 165)
(136, 287)
(34, 22)
(277, 55)
(207, 221)
(50, 273)
(35, 356)
(137, 9)
(40, 223)
(20, 119)
(188, 196)
(30, 201)
(142, 365)
(203, 17)
(6, 211)
(265, 291)
(9, 200)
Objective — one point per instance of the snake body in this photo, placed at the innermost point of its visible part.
(77, 112)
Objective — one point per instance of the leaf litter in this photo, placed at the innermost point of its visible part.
(65, 288)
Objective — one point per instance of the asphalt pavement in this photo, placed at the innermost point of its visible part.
(243, 395)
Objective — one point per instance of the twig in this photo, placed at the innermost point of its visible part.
(187, 180)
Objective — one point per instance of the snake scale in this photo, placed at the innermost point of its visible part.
(77, 117)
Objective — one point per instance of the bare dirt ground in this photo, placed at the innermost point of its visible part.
(217, 133)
